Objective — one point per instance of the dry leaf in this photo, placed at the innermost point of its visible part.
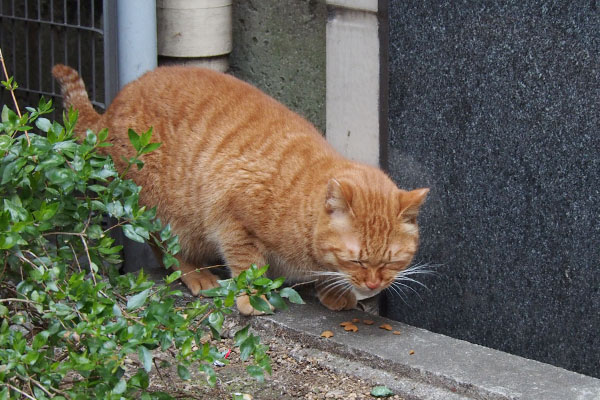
(351, 327)
(368, 322)
(411, 352)
(355, 320)
(327, 334)
(396, 332)
(387, 327)
(345, 323)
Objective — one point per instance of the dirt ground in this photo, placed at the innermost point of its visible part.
(294, 377)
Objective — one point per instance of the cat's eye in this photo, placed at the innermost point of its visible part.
(362, 264)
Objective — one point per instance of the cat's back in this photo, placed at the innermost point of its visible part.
(216, 131)
(188, 105)
(191, 94)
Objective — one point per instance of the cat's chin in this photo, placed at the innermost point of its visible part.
(362, 294)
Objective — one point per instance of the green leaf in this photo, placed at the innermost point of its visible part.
(102, 135)
(9, 240)
(58, 176)
(381, 391)
(14, 207)
(115, 209)
(145, 357)
(43, 124)
(134, 138)
(291, 295)
(95, 231)
(247, 347)
(137, 300)
(150, 148)
(46, 211)
(97, 188)
(260, 304)
(140, 379)
(40, 339)
(91, 138)
(277, 301)
(183, 372)
(5, 142)
(241, 335)
(103, 174)
(215, 319)
(276, 283)
(120, 387)
(145, 138)
(10, 171)
(7, 113)
(230, 299)
(172, 277)
(261, 271)
(131, 233)
(256, 372)
(262, 281)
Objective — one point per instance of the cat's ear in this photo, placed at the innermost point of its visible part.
(338, 198)
(410, 202)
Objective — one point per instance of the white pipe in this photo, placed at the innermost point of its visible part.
(136, 22)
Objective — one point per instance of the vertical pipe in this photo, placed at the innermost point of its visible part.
(110, 44)
(27, 58)
(137, 38)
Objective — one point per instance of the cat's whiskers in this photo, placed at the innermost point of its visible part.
(327, 273)
(335, 282)
(398, 291)
(398, 285)
(405, 276)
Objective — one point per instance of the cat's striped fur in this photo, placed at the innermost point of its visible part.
(241, 177)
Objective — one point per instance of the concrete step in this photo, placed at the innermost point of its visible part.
(419, 364)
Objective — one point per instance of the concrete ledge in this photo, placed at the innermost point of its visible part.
(440, 367)
(361, 5)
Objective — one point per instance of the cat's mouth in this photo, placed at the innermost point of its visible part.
(362, 293)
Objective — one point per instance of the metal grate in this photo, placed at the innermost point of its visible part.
(36, 34)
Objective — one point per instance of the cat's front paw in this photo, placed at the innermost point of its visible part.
(338, 301)
(200, 279)
(245, 308)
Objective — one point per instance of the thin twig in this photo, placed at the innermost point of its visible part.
(60, 392)
(87, 252)
(12, 92)
(4, 268)
(19, 300)
(304, 283)
(75, 257)
(65, 233)
(158, 370)
(36, 383)
(17, 390)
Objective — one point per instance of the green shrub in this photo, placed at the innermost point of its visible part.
(68, 319)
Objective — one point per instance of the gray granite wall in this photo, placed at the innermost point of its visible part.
(496, 107)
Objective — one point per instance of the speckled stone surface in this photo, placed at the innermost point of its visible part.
(279, 46)
(496, 107)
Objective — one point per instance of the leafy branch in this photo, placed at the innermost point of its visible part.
(69, 321)
(11, 85)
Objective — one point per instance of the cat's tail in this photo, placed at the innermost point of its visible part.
(75, 95)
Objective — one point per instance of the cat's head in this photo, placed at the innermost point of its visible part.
(367, 233)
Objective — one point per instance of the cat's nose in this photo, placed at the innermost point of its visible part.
(373, 284)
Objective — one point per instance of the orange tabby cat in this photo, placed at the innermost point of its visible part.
(240, 176)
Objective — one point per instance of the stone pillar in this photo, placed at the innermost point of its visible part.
(357, 80)
(195, 32)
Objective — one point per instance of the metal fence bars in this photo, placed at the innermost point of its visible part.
(37, 34)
